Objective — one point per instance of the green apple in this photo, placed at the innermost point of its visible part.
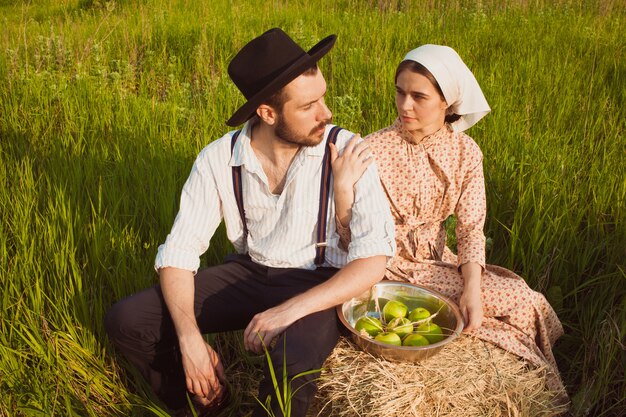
(430, 331)
(394, 309)
(401, 326)
(419, 313)
(389, 338)
(370, 325)
(415, 339)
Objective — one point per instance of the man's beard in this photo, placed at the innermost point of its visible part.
(285, 132)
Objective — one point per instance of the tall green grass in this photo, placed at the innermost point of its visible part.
(104, 105)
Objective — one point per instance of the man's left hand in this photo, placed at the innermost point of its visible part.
(265, 326)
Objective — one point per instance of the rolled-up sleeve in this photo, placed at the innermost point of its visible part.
(470, 211)
(197, 219)
(371, 227)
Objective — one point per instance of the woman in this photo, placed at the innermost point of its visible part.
(430, 170)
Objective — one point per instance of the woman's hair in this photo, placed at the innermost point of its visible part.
(418, 68)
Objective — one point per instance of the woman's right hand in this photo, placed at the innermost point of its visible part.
(351, 164)
(347, 170)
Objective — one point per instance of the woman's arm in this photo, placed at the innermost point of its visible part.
(347, 170)
(471, 211)
(471, 303)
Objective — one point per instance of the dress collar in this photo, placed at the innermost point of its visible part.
(426, 141)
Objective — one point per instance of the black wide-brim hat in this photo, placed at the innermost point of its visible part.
(268, 63)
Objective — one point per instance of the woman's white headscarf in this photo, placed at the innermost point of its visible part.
(460, 88)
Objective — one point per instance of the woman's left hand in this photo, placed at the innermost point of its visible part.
(471, 307)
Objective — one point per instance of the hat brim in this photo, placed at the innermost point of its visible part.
(246, 111)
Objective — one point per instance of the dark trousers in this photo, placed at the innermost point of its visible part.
(226, 298)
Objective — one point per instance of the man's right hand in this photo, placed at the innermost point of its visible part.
(202, 366)
(204, 372)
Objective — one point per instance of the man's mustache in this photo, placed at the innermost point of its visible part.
(321, 125)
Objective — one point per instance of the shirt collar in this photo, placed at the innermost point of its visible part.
(244, 155)
(242, 151)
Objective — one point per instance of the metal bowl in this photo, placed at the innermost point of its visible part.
(448, 318)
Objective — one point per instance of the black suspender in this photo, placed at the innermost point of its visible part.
(320, 246)
(237, 187)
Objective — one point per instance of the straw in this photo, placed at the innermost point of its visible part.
(468, 377)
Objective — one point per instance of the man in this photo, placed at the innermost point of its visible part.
(266, 184)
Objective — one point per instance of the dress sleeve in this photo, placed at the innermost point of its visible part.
(344, 234)
(198, 217)
(470, 211)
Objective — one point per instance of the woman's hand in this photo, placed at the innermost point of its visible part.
(471, 308)
(347, 170)
(471, 304)
(351, 164)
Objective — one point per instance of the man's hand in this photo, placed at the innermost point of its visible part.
(350, 281)
(204, 372)
(264, 327)
(201, 364)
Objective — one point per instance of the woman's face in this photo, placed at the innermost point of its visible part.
(420, 107)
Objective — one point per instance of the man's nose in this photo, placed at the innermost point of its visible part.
(325, 113)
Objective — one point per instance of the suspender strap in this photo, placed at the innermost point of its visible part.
(237, 187)
(320, 247)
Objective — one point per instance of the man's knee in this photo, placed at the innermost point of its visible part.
(121, 321)
(113, 320)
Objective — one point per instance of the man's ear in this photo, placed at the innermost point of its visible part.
(267, 114)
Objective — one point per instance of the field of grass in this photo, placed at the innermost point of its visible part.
(104, 106)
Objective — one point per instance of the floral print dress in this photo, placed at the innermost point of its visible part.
(429, 181)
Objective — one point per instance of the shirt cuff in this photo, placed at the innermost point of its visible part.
(176, 258)
(344, 235)
(383, 244)
(367, 249)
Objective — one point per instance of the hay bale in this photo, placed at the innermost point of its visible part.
(468, 377)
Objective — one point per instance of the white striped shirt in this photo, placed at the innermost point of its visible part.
(281, 228)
